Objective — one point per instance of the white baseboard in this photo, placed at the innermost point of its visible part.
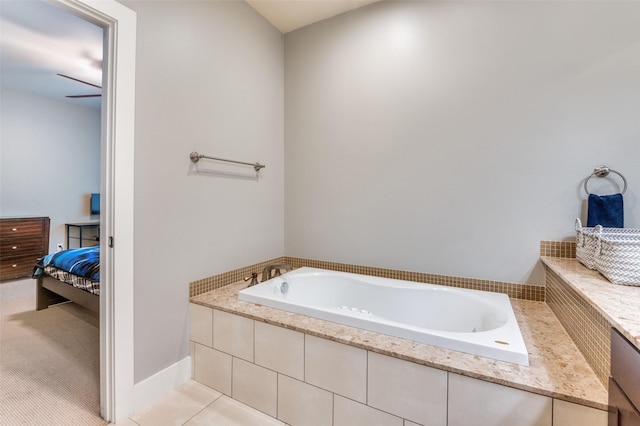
(152, 389)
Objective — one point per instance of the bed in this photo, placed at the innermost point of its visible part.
(69, 275)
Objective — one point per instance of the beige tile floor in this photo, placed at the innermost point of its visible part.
(195, 404)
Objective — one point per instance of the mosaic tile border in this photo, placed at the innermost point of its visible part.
(587, 327)
(516, 291)
(566, 249)
(211, 283)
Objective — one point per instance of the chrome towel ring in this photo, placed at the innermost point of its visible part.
(602, 171)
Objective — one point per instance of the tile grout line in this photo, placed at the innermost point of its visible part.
(203, 408)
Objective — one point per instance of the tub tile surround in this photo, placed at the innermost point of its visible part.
(489, 402)
(412, 391)
(557, 371)
(349, 413)
(268, 340)
(565, 249)
(588, 305)
(589, 330)
(226, 278)
(513, 290)
(336, 367)
(617, 303)
(302, 370)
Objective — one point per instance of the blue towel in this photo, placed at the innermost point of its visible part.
(605, 210)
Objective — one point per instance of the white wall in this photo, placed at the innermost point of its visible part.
(451, 137)
(49, 160)
(209, 78)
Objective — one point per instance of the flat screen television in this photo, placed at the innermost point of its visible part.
(95, 203)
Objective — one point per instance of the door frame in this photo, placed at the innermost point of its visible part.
(117, 217)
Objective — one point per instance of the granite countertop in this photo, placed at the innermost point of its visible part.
(557, 368)
(619, 304)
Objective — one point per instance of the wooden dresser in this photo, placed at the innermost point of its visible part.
(23, 240)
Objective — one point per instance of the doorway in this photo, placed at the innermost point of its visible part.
(116, 221)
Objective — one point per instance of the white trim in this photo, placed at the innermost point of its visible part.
(153, 388)
(117, 173)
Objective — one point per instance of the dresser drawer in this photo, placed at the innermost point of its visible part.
(17, 268)
(23, 240)
(11, 228)
(625, 366)
(17, 247)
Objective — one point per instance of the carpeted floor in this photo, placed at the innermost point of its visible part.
(49, 361)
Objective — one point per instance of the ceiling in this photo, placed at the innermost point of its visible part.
(39, 41)
(289, 15)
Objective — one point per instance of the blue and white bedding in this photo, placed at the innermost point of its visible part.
(78, 267)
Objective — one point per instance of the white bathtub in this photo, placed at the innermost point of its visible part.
(476, 322)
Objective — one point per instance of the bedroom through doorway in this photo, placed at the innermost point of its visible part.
(116, 126)
(52, 122)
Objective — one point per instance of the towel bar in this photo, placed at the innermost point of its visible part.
(195, 157)
(602, 171)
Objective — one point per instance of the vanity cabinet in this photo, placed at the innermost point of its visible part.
(624, 383)
(23, 240)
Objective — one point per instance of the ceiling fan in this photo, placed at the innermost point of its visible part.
(84, 82)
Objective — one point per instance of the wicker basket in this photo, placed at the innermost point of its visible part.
(585, 245)
(617, 257)
(586, 241)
